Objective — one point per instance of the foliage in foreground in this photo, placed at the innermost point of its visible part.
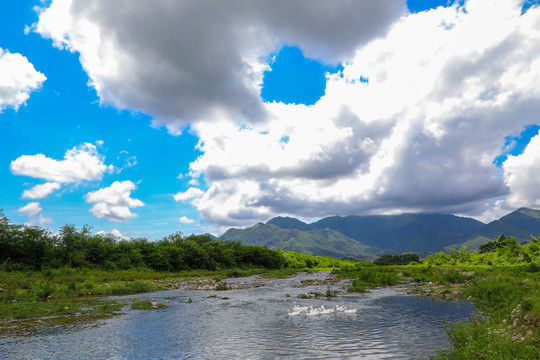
(503, 251)
(507, 324)
(403, 259)
(503, 279)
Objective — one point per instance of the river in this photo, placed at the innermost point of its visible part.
(248, 324)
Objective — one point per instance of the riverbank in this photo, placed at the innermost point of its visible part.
(508, 298)
(73, 291)
(507, 324)
(246, 324)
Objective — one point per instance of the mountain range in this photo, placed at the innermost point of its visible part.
(368, 237)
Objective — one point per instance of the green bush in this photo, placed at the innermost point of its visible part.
(222, 286)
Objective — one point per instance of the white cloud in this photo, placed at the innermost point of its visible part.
(154, 57)
(41, 191)
(18, 78)
(185, 220)
(115, 234)
(33, 212)
(521, 175)
(126, 160)
(114, 202)
(446, 87)
(80, 163)
(31, 209)
(189, 194)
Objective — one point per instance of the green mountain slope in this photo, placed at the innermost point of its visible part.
(365, 236)
(407, 232)
(520, 224)
(288, 223)
(325, 242)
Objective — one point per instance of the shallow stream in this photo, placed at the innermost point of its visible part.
(250, 324)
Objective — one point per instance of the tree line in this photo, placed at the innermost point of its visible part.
(502, 251)
(403, 259)
(33, 248)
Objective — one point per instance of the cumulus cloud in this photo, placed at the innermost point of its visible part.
(31, 209)
(80, 163)
(185, 220)
(33, 212)
(412, 123)
(445, 87)
(41, 191)
(114, 202)
(18, 78)
(189, 61)
(521, 174)
(189, 194)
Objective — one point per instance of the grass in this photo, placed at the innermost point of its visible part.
(146, 305)
(369, 277)
(221, 287)
(507, 324)
(66, 291)
(317, 295)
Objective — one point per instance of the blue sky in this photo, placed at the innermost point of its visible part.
(66, 112)
(197, 133)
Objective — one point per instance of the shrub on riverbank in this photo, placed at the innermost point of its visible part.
(365, 276)
(503, 279)
(502, 251)
(507, 325)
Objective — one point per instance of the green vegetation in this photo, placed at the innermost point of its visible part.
(24, 248)
(520, 223)
(222, 287)
(502, 278)
(405, 232)
(43, 274)
(403, 259)
(325, 242)
(147, 305)
(57, 275)
(368, 237)
(507, 323)
(366, 275)
(331, 293)
(32, 248)
(503, 251)
(67, 291)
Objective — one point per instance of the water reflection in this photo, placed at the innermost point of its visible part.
(251, 324)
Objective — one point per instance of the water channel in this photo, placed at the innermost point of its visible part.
(248, 324)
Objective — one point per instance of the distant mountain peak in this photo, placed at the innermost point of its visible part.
(363, 236)
(288, 223)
